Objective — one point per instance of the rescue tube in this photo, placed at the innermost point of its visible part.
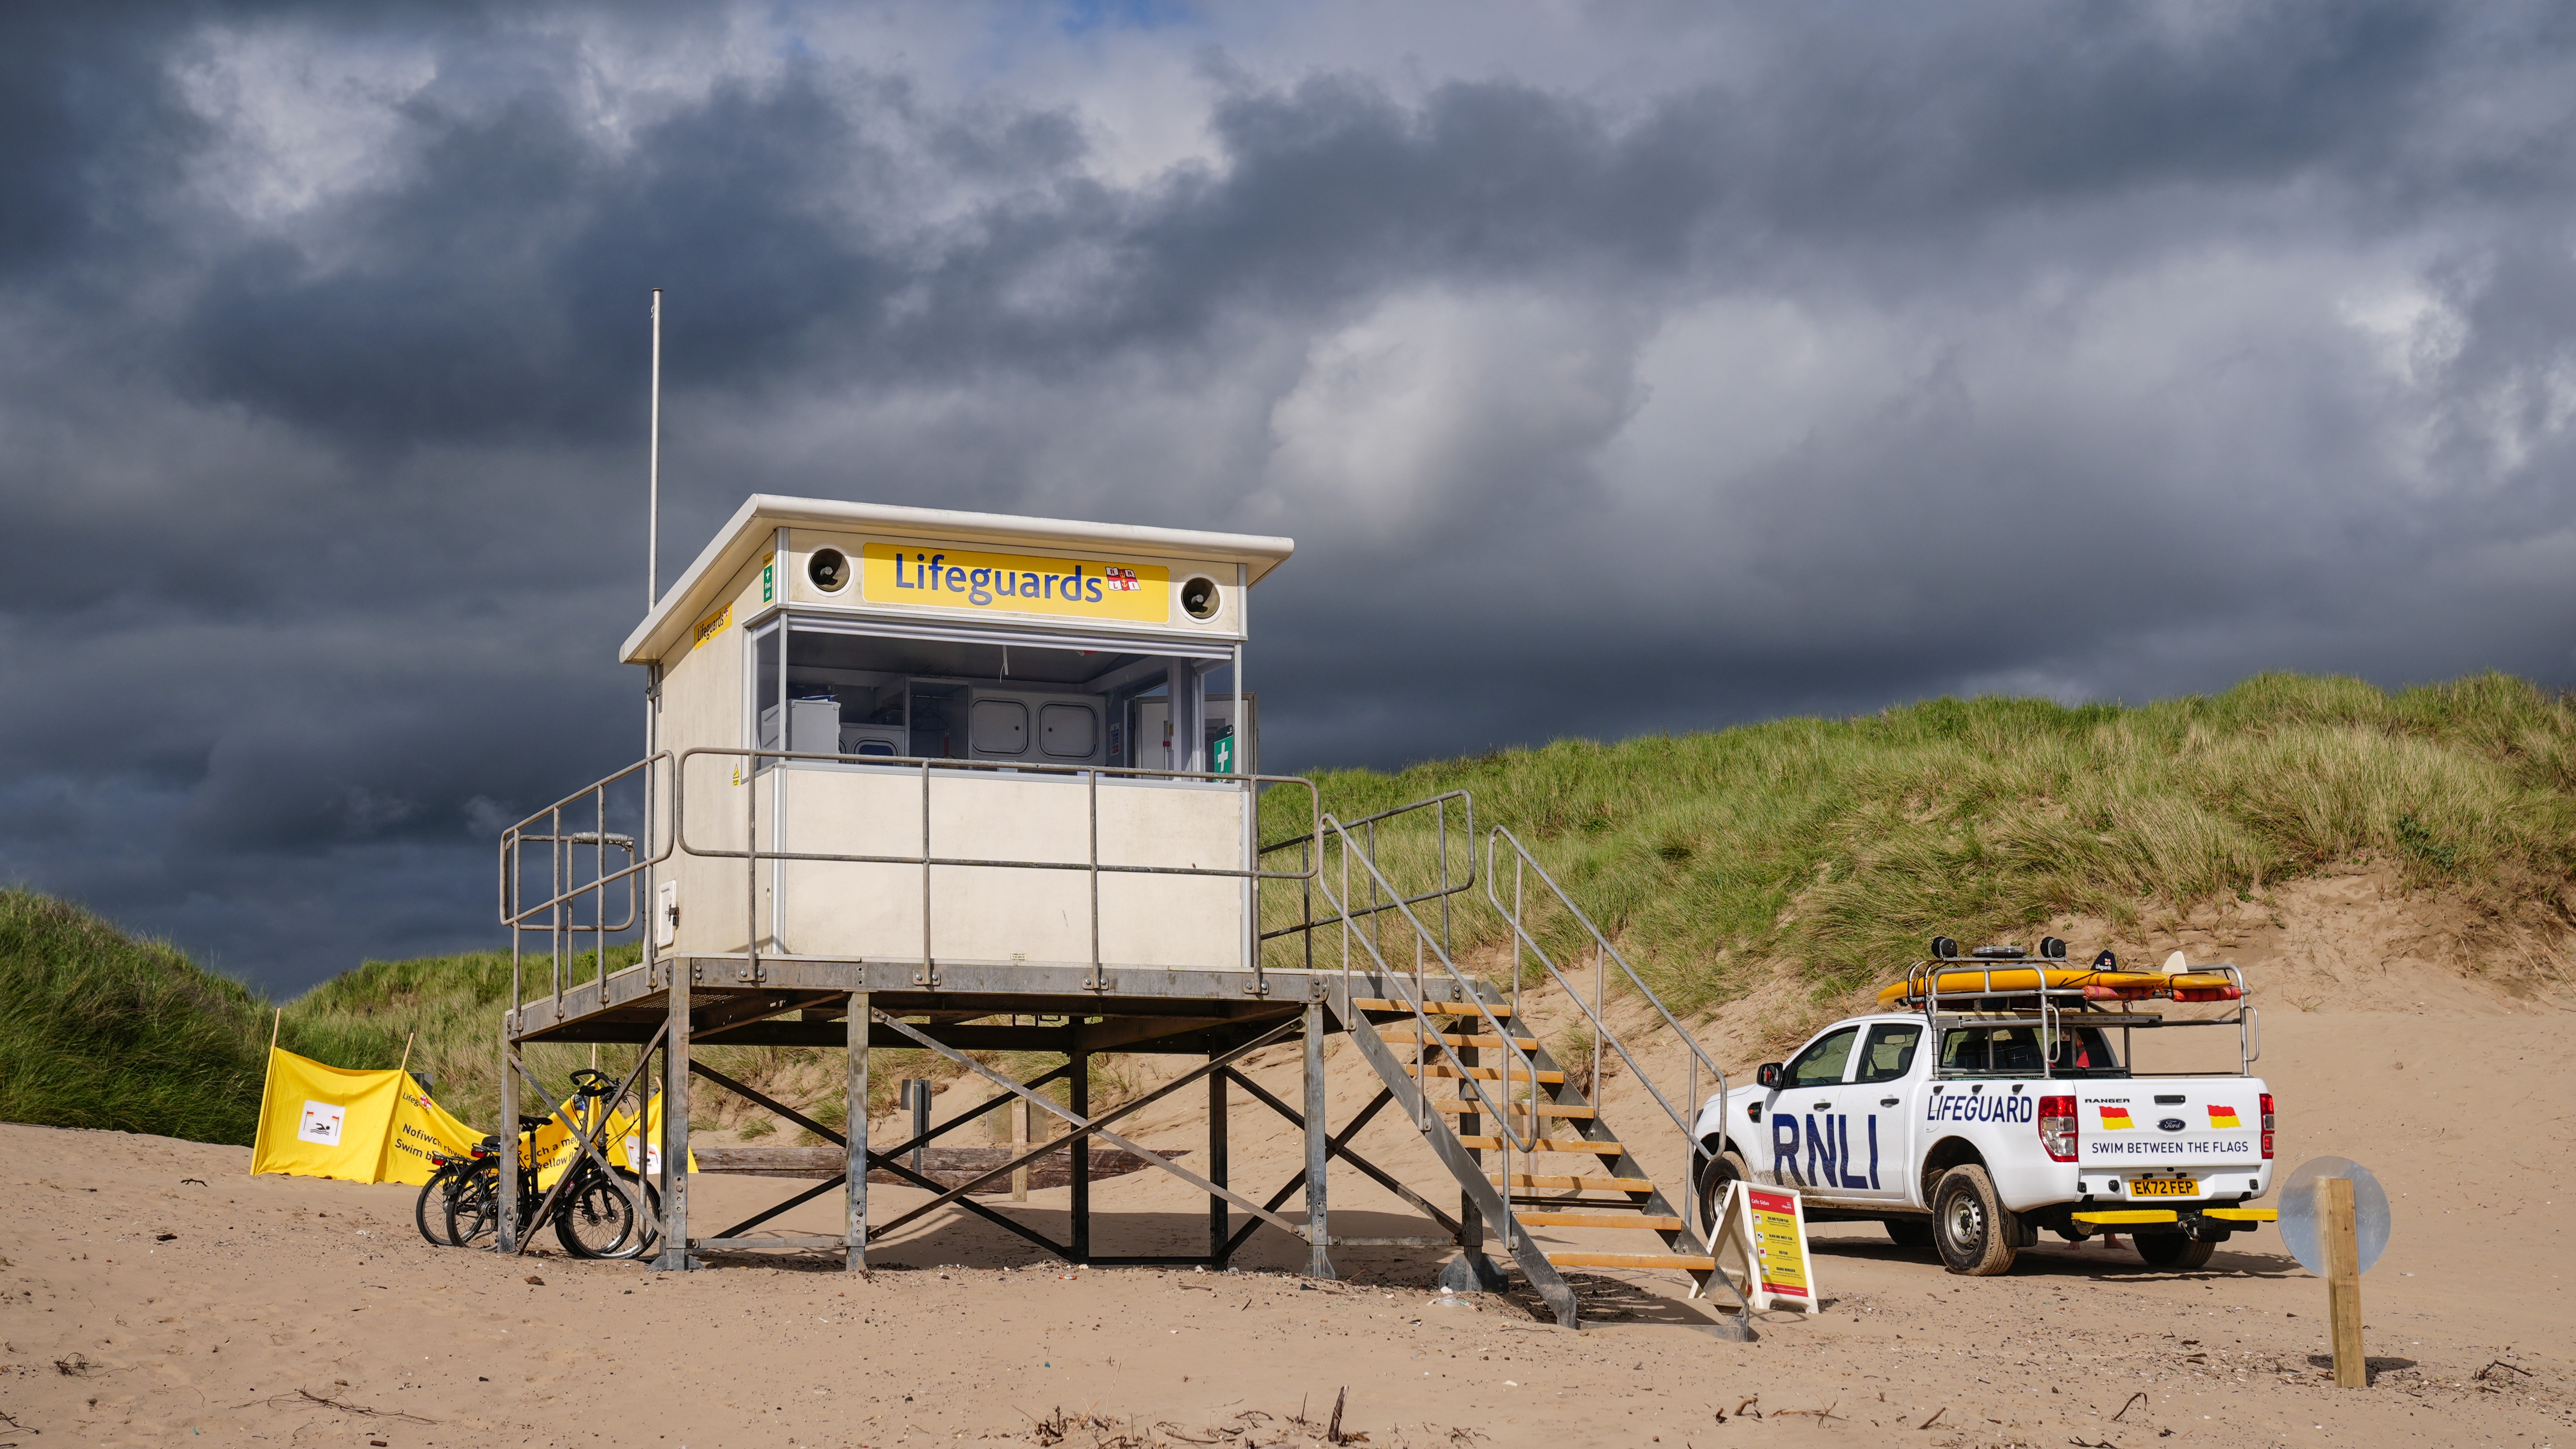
(2096, 985)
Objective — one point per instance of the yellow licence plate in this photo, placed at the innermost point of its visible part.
(2163, 1187)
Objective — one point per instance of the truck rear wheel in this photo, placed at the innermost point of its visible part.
(1978, 1236)
(2174, 1253)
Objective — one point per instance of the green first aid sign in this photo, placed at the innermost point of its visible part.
(1223, 756)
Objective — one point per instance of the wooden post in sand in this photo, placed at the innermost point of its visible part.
(2340, 1237)
(1019, 1110)
(259, 1129)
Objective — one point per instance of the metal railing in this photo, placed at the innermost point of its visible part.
(558, 915)
(1426, 1035)
(1525, 865)
(1926, 986)
(1366, 825)
(753, 854)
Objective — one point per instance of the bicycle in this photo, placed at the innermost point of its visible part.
(447, 1177)
(593, 1215)
(465, 1187)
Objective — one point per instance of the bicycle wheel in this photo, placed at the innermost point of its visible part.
(644, 1241)
(429, 1210)
(474, 1209)
(593, 1217)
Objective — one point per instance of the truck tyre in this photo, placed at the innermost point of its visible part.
(1718, 1171)
(1977, 1235)
(2174, 1253)
(1912, 1234)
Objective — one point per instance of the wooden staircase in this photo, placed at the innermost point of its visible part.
(1610, 1190)
(1561, 1165)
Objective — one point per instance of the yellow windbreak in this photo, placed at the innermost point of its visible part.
(379, 1126)
(359, 1126)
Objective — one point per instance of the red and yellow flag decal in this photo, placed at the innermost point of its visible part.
(2116, 1119)
(2223, 1116)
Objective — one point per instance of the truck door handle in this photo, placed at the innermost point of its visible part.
(1887, 1101)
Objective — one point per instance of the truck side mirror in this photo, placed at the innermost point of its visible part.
(1770, 1075)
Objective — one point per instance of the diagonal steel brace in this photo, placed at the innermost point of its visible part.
(1143, 1153)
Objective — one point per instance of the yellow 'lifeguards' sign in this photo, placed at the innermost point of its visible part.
(1015, 583)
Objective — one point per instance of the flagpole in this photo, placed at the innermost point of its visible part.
(653, 504)
(406, 1060)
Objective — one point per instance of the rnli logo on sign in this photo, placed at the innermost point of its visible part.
(1002, 583)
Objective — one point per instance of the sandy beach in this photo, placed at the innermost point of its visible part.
(157, 1295)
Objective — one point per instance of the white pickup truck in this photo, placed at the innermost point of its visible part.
(1981, 1113)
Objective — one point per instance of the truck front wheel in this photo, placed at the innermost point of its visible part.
(1978, 1236)
(1714, 1174)
(2172, 1252)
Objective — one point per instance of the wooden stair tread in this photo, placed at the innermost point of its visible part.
(1549, 1144)
(1432, 1008)
(1601, 1220)
(1521, 1109)
(1487, 1074)
(1683, 1262)
(1525, 1043)
(1575, 1184)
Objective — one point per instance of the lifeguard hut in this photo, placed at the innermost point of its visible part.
(957, 781)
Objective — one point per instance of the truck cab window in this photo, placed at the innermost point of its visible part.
(2014, 1051)
(1821, 1064)
(1890, 1053)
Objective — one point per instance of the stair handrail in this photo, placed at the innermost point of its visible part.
(1524, 862)
(1424, 1033)
(1367, 825)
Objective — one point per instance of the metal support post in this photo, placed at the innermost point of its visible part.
(1078, 1088)
(1220, 1227)
(675, 1255)
(1319, 1237)
(506, 1239)
(1471, 1223)
(854, 1100)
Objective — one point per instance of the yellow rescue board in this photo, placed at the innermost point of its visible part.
(2005, 980)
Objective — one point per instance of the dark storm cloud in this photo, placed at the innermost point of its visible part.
(2242, 337)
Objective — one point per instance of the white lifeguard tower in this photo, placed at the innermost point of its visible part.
(1044, 683)
(957, 781)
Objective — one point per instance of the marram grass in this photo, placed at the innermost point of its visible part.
(1843, 845)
